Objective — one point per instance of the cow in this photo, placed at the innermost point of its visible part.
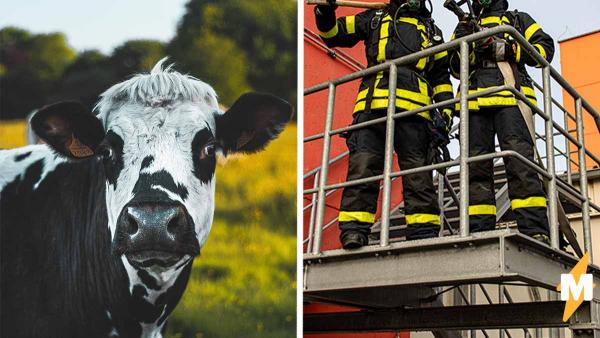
(101, 223)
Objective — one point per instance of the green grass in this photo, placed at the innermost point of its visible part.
(244, 282)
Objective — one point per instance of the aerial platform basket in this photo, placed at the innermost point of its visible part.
(397, 285)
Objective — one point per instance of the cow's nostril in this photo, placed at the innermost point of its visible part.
(174, 225)
(177, 222)
(132, 225)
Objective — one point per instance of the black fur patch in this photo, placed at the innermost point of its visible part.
(148, 280)
(114, 165)
(146, 162)
(143, 310)
(204, 169)
(161, 178)
(33, 174)
(174, 292)
(23, 156)
(61, 268)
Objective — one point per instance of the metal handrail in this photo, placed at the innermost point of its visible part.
(464, 160)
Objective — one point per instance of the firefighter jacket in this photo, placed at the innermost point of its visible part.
(485, 74)
(417, 83)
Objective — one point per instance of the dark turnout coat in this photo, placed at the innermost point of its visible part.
(418, 83)
(483, 78)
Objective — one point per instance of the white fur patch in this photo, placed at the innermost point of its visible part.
(165, 277)
(12, 170)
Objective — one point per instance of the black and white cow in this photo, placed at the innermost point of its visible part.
(100, 226)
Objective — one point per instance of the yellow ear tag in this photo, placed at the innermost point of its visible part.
(79, 149)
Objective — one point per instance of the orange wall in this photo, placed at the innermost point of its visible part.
(579, 59)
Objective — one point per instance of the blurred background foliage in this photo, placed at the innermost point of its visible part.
(244, 282)
(233, 45)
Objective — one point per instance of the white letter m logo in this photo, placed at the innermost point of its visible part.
(571, 287)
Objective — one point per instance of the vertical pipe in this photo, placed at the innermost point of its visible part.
(311, 223)
(473, 301)
(324, 170)
(389, 156)
(552, 190)
(583, 182)
(568, 151)
(554, 332)
(464, 139)
(539, 333)
(501, 301)
(441, 182)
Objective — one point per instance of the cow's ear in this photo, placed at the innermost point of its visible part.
(69, 128)
(252, 121)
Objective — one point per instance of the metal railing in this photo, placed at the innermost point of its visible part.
(548, 173)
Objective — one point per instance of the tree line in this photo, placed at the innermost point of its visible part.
(235, 46)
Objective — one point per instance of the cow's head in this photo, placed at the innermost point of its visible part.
(157, 136)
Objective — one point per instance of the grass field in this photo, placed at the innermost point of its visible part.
(244, 282)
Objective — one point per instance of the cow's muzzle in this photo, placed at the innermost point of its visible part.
(155, 234)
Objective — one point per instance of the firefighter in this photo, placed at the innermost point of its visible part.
(500, 114)
(427, 78)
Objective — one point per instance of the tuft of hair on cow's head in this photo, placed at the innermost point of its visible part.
(157, 135)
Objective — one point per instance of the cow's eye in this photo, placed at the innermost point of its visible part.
(209, 150)
(105, 152)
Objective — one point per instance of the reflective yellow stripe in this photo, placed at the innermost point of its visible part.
(363, 93)
(383, 38)
(423, 218)
(518, 53)
(502, 92)
(531, 30)
(440, 55)
(541, 50)
(424, 89)
(531, 202)
(491, 19)
(482, 209)
(360, 216)
(496, 101)
(331, 33)
(528, 91)
(350, 24)
(414, 22)
(494, 19)
(421, 64)
(473, 105)
(421, 97)
(383, 104)
(443, 88)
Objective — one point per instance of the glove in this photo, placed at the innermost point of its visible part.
(440, 126)
(332, 6)
(464, 28)
(499, 50)
(448, 114)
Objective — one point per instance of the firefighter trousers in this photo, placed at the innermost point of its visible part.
(367, 149)
(528, 199)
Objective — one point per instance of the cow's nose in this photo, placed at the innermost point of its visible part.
(154, 234)
(155, 223)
